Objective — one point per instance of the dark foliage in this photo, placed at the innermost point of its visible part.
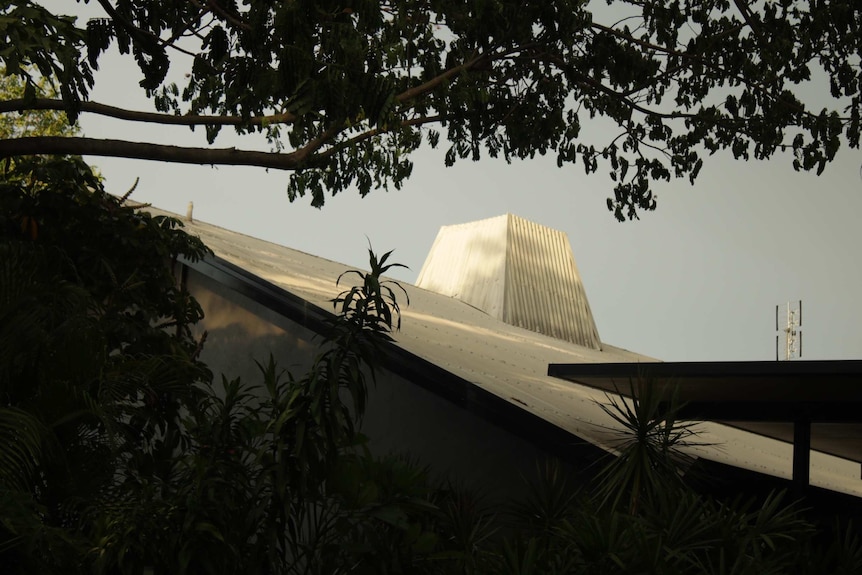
(347, 91)
(96, 354)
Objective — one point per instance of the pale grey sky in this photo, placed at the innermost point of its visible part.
(698, 279)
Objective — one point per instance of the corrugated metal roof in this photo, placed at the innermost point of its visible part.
(515, 270)
(509, 361)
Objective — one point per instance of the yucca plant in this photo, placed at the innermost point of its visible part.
(648, 444)
(639, 514)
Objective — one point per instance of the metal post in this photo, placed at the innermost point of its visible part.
(801, 455)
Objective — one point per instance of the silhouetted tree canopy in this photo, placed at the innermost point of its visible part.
(347, 90)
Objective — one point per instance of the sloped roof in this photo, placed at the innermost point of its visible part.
(517, 271)
(510, 362)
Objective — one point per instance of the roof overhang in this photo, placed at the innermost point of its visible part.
(776, 399)
(823, 391)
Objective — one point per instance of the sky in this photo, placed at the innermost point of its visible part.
(696, 280)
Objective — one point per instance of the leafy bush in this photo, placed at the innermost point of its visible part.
(97, 358)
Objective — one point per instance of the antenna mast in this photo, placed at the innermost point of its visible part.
(790, 328)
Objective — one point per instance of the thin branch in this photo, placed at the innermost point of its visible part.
(593, 83)
(622, 97)
(748, 17)
(431, 84)
(639, 42)
(517, 104)
(179, 34)
(664, 151)
(315, 144)
(663, 49)
(699, 57)
(146, 151)
(20, 105)
(213, 7)
(467, 66)
(135, 31)
(661, 76)
(375, 132)
(614, 141)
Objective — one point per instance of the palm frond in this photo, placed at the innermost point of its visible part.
(22, 440)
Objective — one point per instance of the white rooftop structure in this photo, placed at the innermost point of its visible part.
(516, 271)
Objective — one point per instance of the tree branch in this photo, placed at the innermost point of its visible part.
(20, 105)
(374, 132)
(135, 31)
(623, 97)
(213, 7)
(473, 62)
(146, 151)
(663, 49)
(686, 55)
(749, 19)
(425, 87)
(315, 144)
(303, 157)
(641, 43)
(620, 97)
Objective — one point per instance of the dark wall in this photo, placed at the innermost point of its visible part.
(402, 417)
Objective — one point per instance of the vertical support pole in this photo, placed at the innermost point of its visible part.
(801, 455)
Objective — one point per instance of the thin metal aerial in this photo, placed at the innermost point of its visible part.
(788, 324)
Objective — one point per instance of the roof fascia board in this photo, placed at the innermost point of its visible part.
(808, 368)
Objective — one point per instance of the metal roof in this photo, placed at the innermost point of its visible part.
(509, 362)
(514, 270)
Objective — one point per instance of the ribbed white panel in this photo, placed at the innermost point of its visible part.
(515, 270)
(546, 294)
(468, 262)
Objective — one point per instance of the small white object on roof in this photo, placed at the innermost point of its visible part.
(517, 271)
